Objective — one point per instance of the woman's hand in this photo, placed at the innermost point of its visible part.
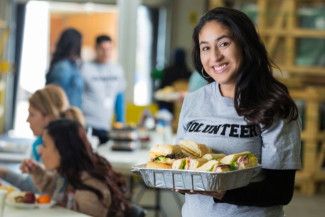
(216, 194)
(29, 166)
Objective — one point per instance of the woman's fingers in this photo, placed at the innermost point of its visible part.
(185, 191)
(28, 166)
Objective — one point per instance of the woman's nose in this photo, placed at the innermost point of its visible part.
(217, 54)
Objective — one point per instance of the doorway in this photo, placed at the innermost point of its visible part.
(44, 21)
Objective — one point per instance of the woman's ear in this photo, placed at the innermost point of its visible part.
(48, 119)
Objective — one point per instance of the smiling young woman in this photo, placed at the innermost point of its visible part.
(242, 94)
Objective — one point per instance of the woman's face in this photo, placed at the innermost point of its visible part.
(220, 54)
(37, 121)
(49, 153)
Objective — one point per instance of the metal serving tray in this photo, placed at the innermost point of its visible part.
(195, 180)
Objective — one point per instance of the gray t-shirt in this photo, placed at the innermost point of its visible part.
(102, 83)
(209, 118)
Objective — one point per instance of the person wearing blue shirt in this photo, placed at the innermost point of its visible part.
(64, 70)
(35, 146)
(196, 81)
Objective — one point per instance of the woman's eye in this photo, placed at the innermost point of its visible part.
(204, 48)
(224, 44)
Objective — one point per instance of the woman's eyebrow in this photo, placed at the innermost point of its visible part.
(217, 39)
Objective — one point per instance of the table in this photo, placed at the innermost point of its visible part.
(51, 212)
(123, 161)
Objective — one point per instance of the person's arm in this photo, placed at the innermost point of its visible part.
(23, 182)
(60, 75)
(88, 203)
(276, 189)
(44, 180)
(120, 108)
(281, 155)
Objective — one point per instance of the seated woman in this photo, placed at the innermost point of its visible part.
(90, 184)
(45, 105)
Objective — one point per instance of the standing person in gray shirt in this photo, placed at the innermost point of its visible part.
(104, 86)
(243, 108)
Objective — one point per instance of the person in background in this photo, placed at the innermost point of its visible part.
(104, 86)
(64, 66)
(196, 81)
(45, 105)
(91, 186)
(178, 70)
(248, 110)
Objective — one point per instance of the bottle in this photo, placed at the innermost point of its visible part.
(164, 119)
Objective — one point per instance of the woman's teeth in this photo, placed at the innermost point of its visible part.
(219, 68)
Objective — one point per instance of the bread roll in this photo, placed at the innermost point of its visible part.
(208, 166)
(194, 149)
(240, 160)
(158, 165)
(180, 164)
(221, 168)
(163, 150)
(195, 163)
(213, 156)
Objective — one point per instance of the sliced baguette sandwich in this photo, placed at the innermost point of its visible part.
(221, 168)
(180, 164)
(193, 164)
(193, 149)
(213, 156)
(240, 160)
(163, 156)
(208, 166)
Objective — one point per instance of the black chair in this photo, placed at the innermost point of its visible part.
(136, 211)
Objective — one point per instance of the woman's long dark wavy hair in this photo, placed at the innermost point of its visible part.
(67, 47)
(259, 97)
(77, 156)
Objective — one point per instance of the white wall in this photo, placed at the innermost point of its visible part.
(183, 21)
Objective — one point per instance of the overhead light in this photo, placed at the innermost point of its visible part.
(89, 6)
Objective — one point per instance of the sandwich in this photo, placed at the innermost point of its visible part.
(163, 156)
(221, 168)
(180, 164)
(193, 164)
(240, 160)
(214, 166)
(193, 149)
(188, 163)
(213, 156)
(208, 166)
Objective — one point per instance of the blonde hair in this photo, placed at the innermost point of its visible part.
(50, 101)
(53, 102)
(74, 113)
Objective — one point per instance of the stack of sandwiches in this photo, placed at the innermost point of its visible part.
(189, 155)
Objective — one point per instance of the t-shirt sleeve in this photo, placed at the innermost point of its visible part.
(281, 145)
(120, 108)
(181, 127)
